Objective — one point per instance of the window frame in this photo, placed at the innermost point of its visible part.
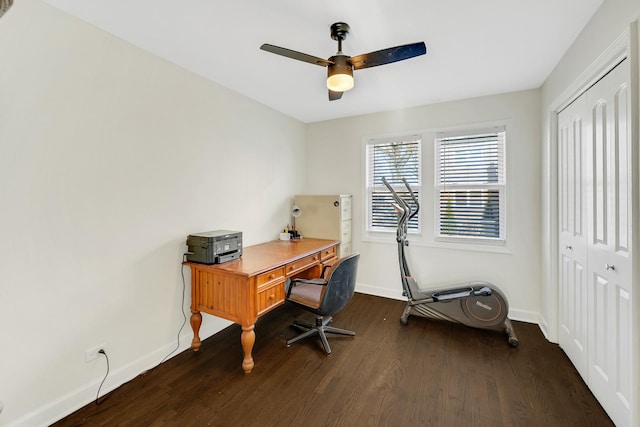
(427, 237)
(372, 186)
(500, 187)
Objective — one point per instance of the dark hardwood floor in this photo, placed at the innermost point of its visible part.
(427, 373)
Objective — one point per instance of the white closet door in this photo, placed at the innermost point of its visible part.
(595, 162)
(572, 144)
(609, 243)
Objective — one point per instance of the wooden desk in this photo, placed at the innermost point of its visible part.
(245, 289)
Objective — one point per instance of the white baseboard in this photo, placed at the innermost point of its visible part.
(544, 327)
(71, 402)
(524, 316)
(380, 292)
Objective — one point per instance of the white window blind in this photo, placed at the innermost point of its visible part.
(470, 183)
(394, 160)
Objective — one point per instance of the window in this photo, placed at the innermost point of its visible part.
(393, 159)
(470, 185)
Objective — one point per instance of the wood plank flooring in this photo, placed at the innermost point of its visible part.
(427, 373)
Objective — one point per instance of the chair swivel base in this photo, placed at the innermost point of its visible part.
(320, 328)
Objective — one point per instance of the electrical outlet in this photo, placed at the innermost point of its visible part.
(92, 353)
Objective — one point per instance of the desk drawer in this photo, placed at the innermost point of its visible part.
(302, 264)
(328, 253)
(270, 297)
(270, 277)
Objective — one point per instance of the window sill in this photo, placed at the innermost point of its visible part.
(419, 241)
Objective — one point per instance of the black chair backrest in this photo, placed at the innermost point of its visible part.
(341, 285)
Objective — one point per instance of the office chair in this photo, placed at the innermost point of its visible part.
(324, 298)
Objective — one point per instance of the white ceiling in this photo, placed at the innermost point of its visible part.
(474, 48)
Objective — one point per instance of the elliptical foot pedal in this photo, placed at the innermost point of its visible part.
(452, 294)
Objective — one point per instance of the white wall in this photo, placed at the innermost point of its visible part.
(611, 19)
(335, 165)
(109, 158)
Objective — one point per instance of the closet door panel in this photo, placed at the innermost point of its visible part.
(609, 248)
(599, 177)
(622, 167)
(601, 340)
(623, 350)
(572, 239)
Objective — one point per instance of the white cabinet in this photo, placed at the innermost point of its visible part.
(325, 217)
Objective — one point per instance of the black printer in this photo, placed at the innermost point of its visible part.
(214, 247)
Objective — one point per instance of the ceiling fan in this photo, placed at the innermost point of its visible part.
(340, 66)
(4, 6)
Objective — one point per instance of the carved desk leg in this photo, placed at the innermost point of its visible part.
(248, 338)
(196, 321)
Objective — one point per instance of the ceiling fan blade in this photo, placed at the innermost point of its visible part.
(387, 56)
(295, 55)
(333, 95)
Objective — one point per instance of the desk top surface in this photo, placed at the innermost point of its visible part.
(259, 258)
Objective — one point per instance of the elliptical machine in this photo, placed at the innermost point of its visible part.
(477, 304)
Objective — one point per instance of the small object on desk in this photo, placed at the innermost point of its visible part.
(294, 234)
(285, 236)
(214, 247)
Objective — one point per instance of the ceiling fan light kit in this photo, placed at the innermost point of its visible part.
(340, 66)
(340, 74)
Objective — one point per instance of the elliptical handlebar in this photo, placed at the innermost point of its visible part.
(413, 197)
(408, 212)
(405, 214)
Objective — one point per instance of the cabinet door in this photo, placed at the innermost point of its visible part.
(345, 231)
(345, 208)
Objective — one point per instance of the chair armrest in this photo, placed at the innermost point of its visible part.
(292, 283)
(309, 281)
(328, 265)
(324, 269)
